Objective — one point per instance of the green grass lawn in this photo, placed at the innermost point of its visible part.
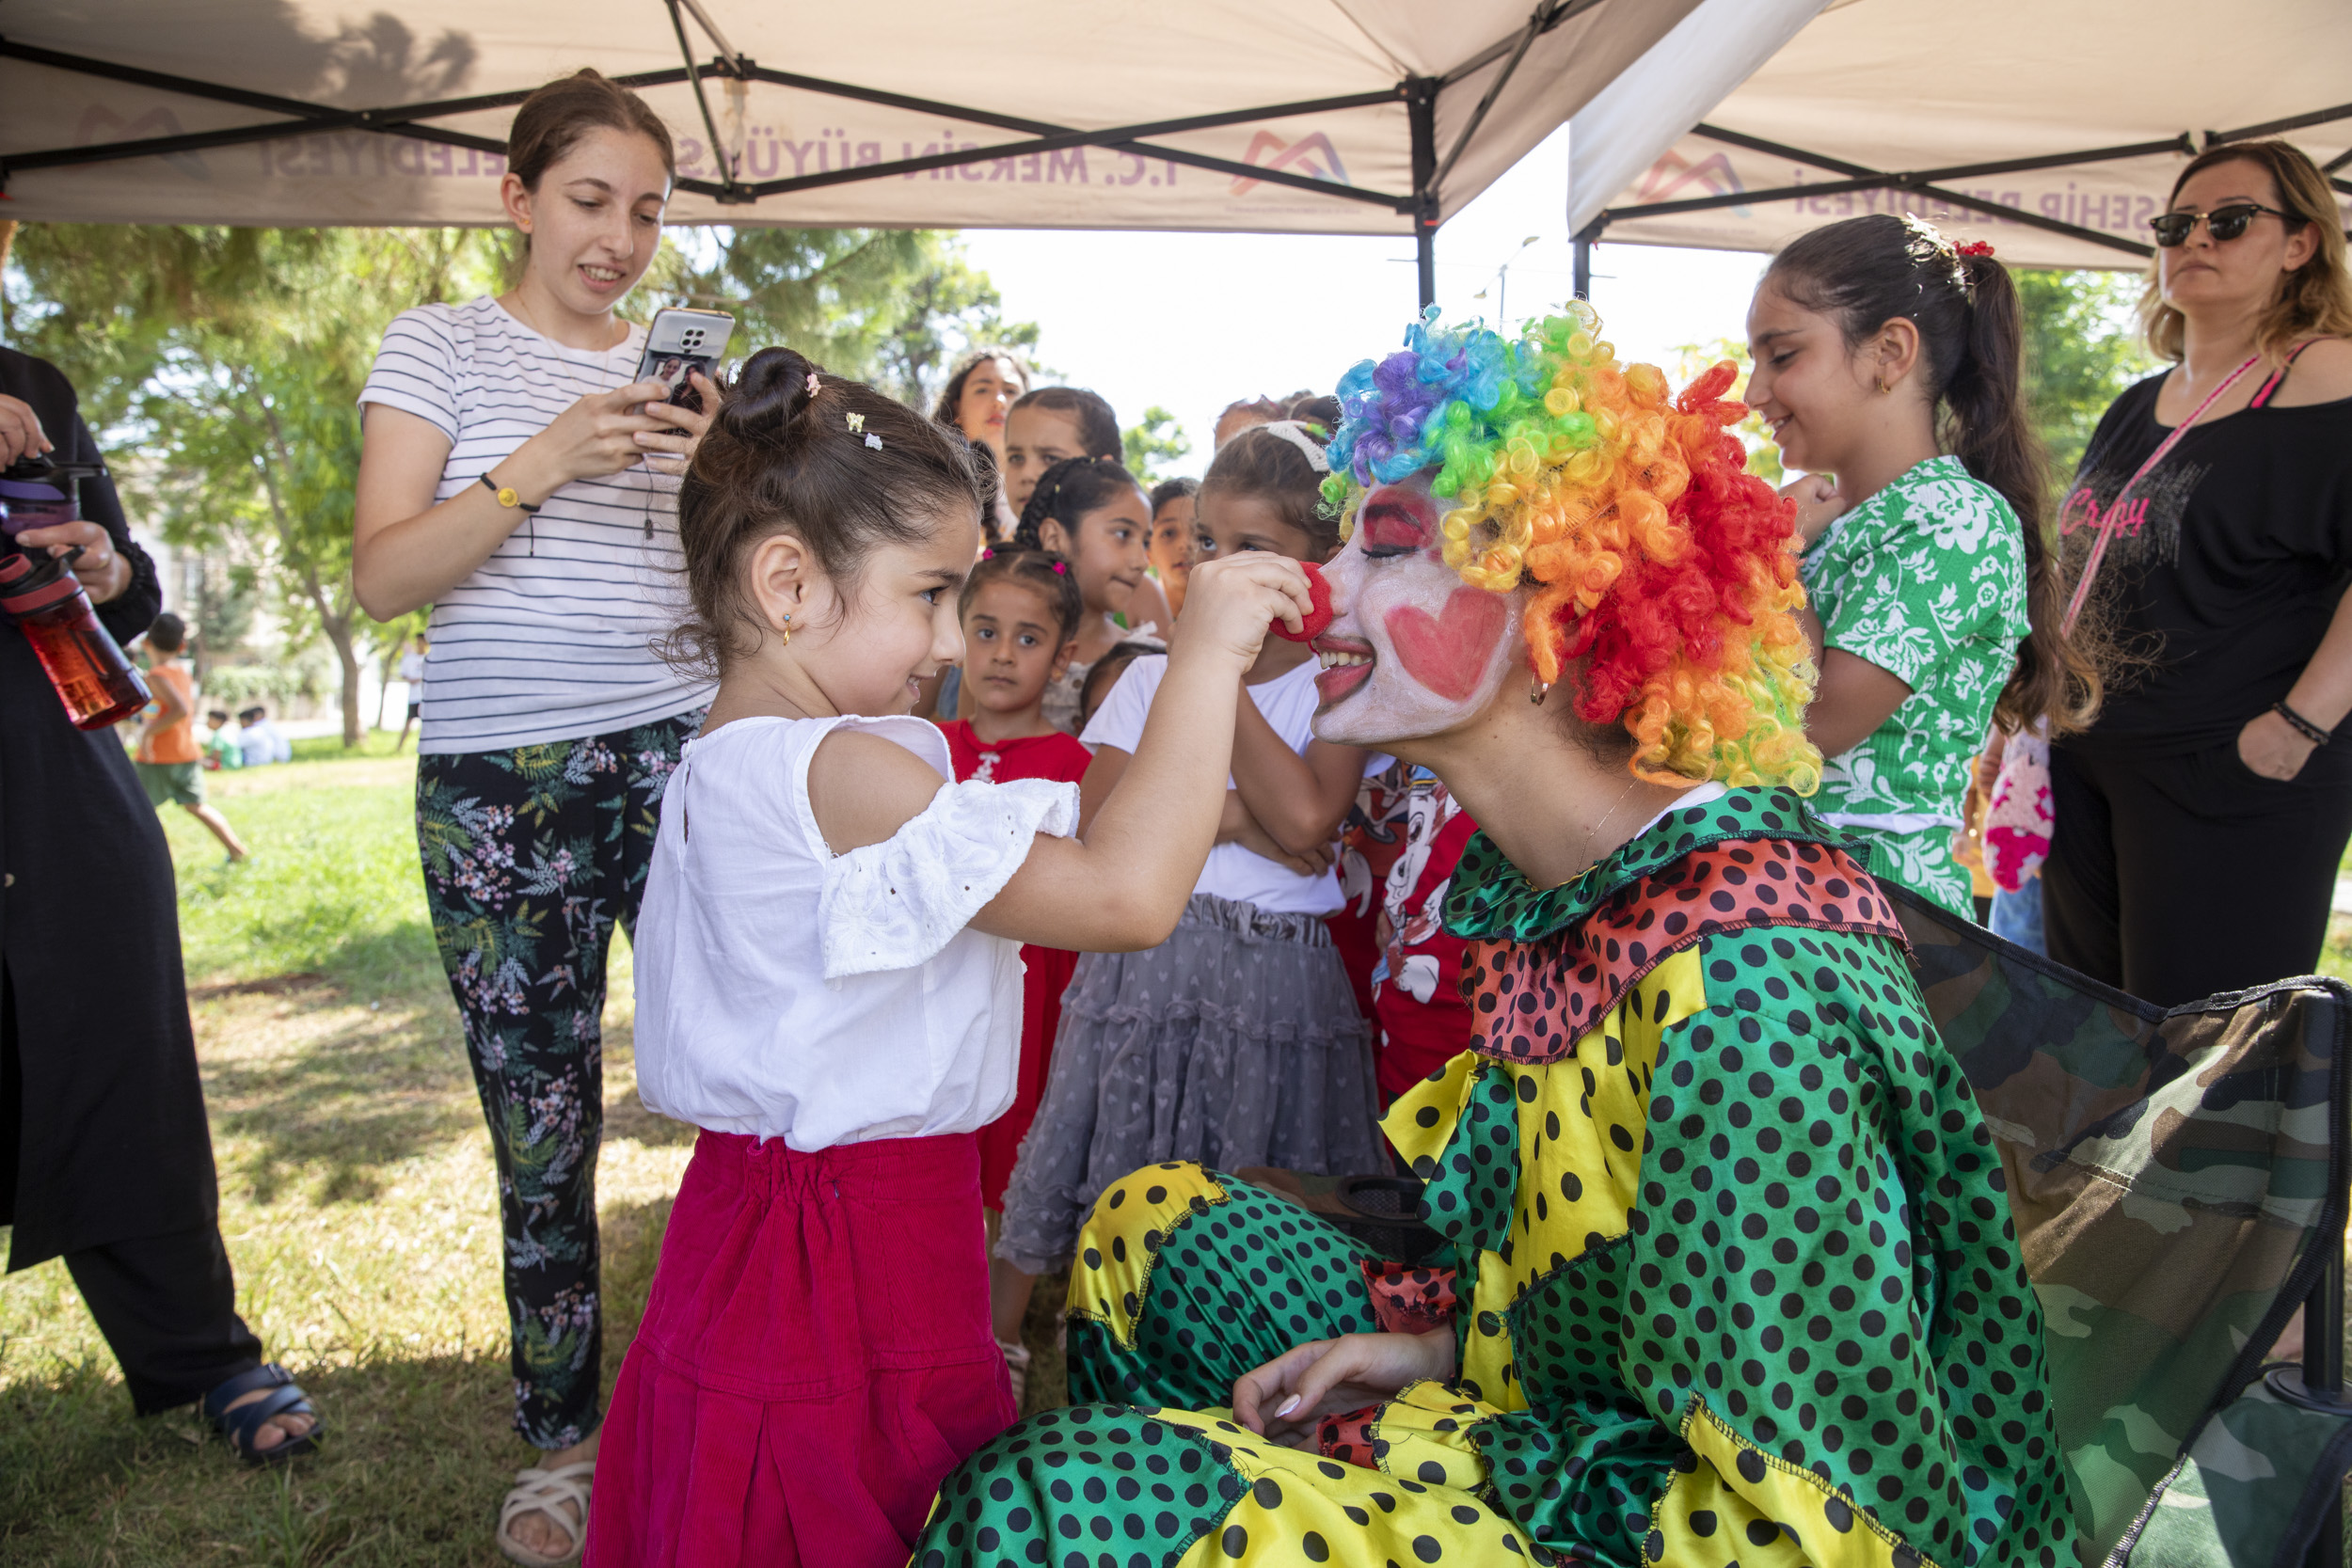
(358, 1204)
(358, 1207)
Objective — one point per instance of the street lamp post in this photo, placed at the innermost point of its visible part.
(1503, 282)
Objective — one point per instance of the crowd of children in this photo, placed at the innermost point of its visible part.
(1017, 860)
(906, 975)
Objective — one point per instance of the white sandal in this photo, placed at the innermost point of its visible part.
(545, 1491)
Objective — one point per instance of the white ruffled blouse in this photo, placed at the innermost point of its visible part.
(789, 992)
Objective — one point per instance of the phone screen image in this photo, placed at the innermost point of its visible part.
(673, 370)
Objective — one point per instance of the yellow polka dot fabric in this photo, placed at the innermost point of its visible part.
(1738, 1281)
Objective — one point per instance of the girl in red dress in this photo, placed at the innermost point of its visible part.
(1021, 611)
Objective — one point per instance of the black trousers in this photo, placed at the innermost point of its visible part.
(2178, 877)
(167, 1305)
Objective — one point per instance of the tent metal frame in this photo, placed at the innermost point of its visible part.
(1418, 94)
(1931, 183)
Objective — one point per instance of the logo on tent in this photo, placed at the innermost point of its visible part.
(101, 124)
(1673, 173)
(1311, 155)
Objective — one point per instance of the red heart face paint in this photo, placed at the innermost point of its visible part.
(1449, 652)
(1411, 650)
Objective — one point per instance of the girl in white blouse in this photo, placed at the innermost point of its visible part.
(829, 980)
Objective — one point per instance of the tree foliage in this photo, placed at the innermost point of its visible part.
(888, 306)
(1158, 440)
(2082, 349)
(221, 368)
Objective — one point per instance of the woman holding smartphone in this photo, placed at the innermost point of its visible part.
(517, 476)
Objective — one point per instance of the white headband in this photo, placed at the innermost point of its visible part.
(1295, 431)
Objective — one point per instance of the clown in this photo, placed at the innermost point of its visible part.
(1728, 1273)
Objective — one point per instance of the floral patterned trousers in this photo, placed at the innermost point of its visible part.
(530, 855)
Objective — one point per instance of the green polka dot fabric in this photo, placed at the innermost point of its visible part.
(1736, 1276)
(1232, 1277)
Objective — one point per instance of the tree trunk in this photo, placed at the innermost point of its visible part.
(337, 624)
(339, 633)
(384, 675)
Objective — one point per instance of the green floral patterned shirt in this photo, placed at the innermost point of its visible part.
(1927, 581)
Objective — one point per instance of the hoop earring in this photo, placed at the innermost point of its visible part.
(1537, 690)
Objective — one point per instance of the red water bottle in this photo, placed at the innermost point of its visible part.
(81, 658)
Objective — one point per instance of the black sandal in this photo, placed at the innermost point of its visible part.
(242, 1425)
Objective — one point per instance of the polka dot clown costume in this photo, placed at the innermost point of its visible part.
(1729, 1273)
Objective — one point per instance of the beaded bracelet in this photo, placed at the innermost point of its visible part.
(2303, 726)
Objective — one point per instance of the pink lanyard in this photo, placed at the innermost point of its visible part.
(2113, 516)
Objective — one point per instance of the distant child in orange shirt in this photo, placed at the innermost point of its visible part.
(169, 763)
(1021, 611)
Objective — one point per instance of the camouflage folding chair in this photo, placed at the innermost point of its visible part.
(2179, 1182)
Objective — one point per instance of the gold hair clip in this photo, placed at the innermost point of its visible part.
(857, 422)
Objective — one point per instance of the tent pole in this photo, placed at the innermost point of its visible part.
(1421, 117)
(1581, 266)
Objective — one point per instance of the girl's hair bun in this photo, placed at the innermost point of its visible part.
(767, 394)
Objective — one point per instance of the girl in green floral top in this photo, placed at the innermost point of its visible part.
(1888, 357)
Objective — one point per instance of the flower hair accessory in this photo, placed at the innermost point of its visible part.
(812, 383)
(1976, 247)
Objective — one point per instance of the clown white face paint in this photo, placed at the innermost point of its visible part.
(1413, 650)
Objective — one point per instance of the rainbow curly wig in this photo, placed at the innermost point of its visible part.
(1657, 559)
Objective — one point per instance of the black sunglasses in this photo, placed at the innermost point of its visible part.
(2223, 223)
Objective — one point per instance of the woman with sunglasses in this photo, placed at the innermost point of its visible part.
(2201, 819)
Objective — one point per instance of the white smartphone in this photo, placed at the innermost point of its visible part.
(680, 341)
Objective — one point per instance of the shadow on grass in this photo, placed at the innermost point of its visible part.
(398, 960)
(342, 1094)
(418, 1452)
(626, 1121)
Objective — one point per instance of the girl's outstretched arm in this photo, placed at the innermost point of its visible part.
(1125, 883)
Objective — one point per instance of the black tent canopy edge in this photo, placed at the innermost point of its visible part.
(1930, 182)
(1419, 94)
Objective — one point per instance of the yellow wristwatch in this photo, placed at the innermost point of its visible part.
(506, 494)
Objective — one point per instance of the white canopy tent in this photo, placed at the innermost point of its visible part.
(2052, 129)
(1354, 117)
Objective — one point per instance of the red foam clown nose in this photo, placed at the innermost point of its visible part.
(1316, 619)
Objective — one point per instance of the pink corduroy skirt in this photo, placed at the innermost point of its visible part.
(815, 1358)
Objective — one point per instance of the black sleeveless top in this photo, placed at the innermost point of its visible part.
(2226, 569)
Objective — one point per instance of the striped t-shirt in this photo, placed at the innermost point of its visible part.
(550, 639)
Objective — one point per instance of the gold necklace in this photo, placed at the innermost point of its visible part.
(1601, 822)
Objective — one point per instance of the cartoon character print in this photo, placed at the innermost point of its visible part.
(1408, 922)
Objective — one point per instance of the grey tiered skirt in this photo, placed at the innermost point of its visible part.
(1235, 1043)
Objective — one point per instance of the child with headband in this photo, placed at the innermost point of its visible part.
(1236, 1041)
(829, 980)
(1890, 358)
